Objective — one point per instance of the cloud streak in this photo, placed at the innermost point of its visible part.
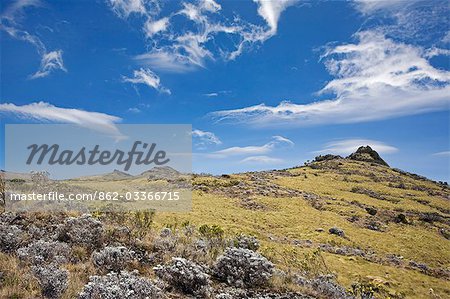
(276, 142)
(205, 137)
(147, 77)
(261, 160)
(375, 78)
(348, 146)
(50, 61)
(43, 112)
(188, 45)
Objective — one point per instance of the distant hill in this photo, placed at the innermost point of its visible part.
(160, 173)
(112, 176)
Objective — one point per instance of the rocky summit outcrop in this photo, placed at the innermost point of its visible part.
(367, 154)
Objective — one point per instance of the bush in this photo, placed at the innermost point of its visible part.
(184, 275)
(326, 286)
(84, 230)
(45, 252)
(52, 280)
(120, 285)
(112, 258)
(211, 232)
(246, 242)
(243, 268)
(11, 238)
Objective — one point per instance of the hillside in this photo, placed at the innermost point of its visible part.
(372, 229)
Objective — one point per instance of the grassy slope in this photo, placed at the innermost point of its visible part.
(287, 219)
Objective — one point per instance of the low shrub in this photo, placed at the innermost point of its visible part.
(120, 285)
(184, 275)
(243, 268)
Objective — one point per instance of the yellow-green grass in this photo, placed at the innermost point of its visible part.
(288, 219)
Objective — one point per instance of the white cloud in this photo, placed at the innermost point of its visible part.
(348, 146)
(271, 11)
(414, 20)
(165, 60)
(206, 137)
(442, 154)
(436, 52)
(261, 160)
(153, 27)
(277, 141)
(147, 77)
(124, 8)
(134, 110)
(211, 94)
(15, 10)
(42, 111)
(372, 6)
(446, 38)
(281, 139)
(187, 45)
(50, 62)
(375, 78)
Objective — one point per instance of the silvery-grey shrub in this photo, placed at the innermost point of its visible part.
(246, 242)
(53, 281)
(326, 286)
(120, 285)
(84, 230)
(112, 258)
(41, 252)
(11, 237)
(184, 275)
(243, 268)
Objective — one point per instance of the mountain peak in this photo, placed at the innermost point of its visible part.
(367, 154)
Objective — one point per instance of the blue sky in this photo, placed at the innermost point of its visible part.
(265, 84)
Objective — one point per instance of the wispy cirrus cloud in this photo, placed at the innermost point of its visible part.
(348, 146)
(10, 23)
(45, 112)
(276, 142)
(50, 61)
(188, 45)
(374, 78)
(147, 77)
(442, 154)
(125, 8)
(261, 160)
(414, 21)
(204, 138)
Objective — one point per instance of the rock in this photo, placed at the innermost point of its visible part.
(371, 211)
(367, 154)
(337, 231)
(328, 157)
(401, 218)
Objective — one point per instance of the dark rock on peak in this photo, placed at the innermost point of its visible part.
(326, 158)
(367, 154)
